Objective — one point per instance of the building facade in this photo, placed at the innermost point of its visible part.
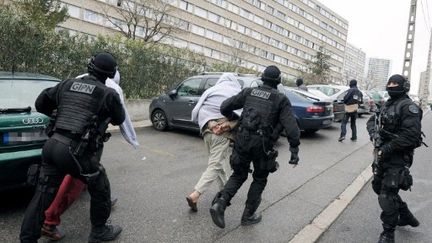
(354, 64)
(251, 33)
(378, 73)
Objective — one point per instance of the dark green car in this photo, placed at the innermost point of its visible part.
(21, 128)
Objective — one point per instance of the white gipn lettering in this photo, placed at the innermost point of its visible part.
(260, 93)
(82, 88)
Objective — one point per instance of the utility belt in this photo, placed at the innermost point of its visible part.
(77, 153)
(64, 138)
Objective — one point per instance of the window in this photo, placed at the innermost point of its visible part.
(92, 16)
(213, 17)
(197, 30)
(190, 87)
(210, 83)
(200, 12)
(73, 11)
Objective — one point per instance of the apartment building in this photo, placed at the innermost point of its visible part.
(354, 64)
(378, 72)
(254, 33)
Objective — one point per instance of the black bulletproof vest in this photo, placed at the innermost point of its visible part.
(78, 101)
(391, 115)
(261, 102)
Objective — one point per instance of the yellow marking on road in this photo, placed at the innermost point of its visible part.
(158, 151)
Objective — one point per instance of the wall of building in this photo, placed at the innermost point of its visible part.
(354, 64)
(260, 33)
(378, 72)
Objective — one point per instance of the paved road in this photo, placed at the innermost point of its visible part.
(360, 222)
(152, 183)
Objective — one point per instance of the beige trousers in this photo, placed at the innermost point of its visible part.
(218, 163)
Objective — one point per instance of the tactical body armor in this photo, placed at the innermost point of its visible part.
(79, 101)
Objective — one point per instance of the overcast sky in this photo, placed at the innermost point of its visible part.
(379, 28)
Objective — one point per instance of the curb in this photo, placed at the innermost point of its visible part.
(312, 232)
(136, 125)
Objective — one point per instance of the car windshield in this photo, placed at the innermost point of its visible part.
(21, 93)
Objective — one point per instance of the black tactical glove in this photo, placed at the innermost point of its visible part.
(294, 156)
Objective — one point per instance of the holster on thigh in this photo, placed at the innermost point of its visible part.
(376, 184)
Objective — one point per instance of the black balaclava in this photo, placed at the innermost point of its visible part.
(299, 82)
(353, 83)
(271, 76)
(398, 91)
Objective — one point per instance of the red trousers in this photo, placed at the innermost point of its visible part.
(68, 192)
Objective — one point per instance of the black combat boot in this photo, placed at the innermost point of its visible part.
(217, 210)
(104, 233)
(387, 236)
(407, 218)
(249, 216)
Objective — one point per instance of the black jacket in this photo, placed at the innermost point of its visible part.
(353, 96)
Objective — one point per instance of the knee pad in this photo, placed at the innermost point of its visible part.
(387, 203)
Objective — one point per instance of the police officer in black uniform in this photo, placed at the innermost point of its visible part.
(265, 113)
(397, 132)
(352, 99)
(84, 107)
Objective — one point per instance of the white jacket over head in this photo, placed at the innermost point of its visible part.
(208, 106)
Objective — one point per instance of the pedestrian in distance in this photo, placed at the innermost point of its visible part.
(71, 187)
(215, 129)
(265, 113)
(396, 132)
(84, 107)
(300, 84)
(352, 99)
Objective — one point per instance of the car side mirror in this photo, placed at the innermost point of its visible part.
(172, 93)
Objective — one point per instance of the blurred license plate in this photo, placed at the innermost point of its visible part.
(20, 137)
(326, 122)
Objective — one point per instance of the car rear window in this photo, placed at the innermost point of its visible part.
(296, 98)
(16, 93)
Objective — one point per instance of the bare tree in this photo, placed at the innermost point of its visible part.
(148, 19)
(317, 70)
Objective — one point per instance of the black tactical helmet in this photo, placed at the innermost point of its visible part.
(299, 81)
(271, 74)
(353, 83)
(102, 65)
(402, 88)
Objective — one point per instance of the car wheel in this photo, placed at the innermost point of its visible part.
(159, 120)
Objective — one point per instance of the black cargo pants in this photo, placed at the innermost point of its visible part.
(386, 185)
(248, 147)
(57, 162)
